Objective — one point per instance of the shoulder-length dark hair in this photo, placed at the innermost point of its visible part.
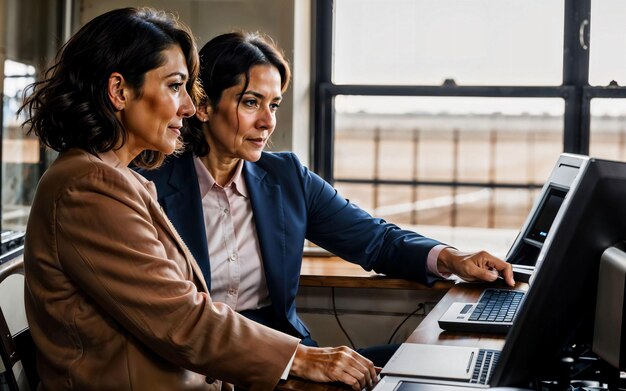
(70, 107)
(224, 60)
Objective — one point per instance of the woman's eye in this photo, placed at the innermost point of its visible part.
(274, 106)
(250, 102)
(176, 86)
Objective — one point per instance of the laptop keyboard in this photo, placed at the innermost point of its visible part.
(497, 305)
(486, 360)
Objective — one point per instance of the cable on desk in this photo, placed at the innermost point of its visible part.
(338, 321)
(419, 307)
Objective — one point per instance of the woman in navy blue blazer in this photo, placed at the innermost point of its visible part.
(257, 208)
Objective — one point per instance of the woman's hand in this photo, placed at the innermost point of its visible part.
(474, 266)
(340, 364)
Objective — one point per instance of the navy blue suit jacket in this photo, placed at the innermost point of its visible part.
(291, 203)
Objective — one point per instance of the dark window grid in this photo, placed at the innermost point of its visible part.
(588, 94)
(575, 89)
(604, 92)
(575, 92)
(575, 78)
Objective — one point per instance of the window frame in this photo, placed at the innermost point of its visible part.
(574, 90)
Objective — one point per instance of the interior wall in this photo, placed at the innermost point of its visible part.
(276, 18)
(32, 30)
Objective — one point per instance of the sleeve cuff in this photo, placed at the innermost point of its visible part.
(431, 263)
(288, 368)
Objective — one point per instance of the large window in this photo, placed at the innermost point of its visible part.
(607, 73)
(454, 112)
(20, 154)
(424, 42)
(29, 36)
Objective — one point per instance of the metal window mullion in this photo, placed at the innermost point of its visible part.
(604, 92)
(576, 120)
(448, 91)
(589, 93)
(323, 121)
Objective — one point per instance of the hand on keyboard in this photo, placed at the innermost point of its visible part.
(474, 266)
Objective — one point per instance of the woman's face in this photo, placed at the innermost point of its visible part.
(153, 117)
(241, 124)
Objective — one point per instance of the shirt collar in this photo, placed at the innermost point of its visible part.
(206, 181)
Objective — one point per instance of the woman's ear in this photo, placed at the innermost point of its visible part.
(116, 91)
(203, 112)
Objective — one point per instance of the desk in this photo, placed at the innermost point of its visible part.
(334, 272)
(428, 332)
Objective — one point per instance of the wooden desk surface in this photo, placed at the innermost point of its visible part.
(429, 332)
(325, 271)
(332, 271)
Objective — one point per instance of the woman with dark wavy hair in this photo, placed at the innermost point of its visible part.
(114, 298)
(245, 213)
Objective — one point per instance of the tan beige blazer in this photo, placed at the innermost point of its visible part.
(114, 299)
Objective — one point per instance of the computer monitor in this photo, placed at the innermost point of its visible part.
(609, 332)
(559, 306)
(526, 247)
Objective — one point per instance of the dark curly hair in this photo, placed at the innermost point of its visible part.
(224, 60)
(70, 107)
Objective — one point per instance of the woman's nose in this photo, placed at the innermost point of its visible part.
(187, 108)
(267, 118)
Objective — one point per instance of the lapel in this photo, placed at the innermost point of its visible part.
(191, 261)
(160, 217)
(179, 195)
(269, 218)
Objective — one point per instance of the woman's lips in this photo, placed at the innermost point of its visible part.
(259, 142)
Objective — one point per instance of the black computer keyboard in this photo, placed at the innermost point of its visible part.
(485, 363)
(497, 305)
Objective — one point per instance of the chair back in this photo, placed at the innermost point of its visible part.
(17, 349)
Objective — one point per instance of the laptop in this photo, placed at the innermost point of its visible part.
(393, 383)
(469, 317)
(442, 364)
